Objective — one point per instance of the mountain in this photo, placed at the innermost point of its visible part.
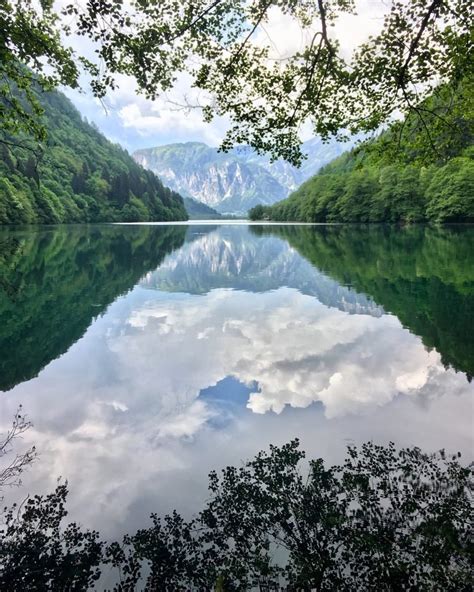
(318, 154)
(232, 182)
(78, 176)
(199, 211)
(417, 171)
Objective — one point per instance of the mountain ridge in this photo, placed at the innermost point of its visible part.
(231, 182)
(77, 176)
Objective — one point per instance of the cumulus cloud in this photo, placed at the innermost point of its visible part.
(121, 439)
(297, 350)
(187, 423)
(144, 432)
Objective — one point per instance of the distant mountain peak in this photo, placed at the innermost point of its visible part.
(235, 181)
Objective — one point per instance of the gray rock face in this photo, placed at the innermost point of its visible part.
(234, 182)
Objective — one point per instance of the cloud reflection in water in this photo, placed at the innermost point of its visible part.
(132, 416)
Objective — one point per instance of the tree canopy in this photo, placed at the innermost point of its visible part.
(222, 47)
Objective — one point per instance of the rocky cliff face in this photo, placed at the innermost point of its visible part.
(232, 183)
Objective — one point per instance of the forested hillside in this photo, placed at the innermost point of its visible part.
(77, 176)
(199, 211)
(421, 170)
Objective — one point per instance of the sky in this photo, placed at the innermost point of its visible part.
(129, 119)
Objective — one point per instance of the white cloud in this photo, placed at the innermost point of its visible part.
(347, 362)
(155, 121)
(187, 423)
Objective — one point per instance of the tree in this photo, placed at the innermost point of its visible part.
(257, 213)
(450, 192)
(385, 519)
(35, 552)
(219, 44)
(32, 54)
(38, 554)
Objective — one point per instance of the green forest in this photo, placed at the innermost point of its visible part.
(420, 170)
(77, 175)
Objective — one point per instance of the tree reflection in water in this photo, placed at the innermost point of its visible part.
(386, 519)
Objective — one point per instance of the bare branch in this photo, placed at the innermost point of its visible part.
(10, 475)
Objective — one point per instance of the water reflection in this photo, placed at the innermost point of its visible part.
(55, 282)
(236, 258)
(423, 275)
(237, 339)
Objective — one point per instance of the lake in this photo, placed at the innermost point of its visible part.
(147, 355)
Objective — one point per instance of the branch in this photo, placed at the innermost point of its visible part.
(324, 31)
(251, 32)
(416, 41)
(185, 29)
(10, 475)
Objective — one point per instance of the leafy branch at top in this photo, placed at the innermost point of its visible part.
(221, 45)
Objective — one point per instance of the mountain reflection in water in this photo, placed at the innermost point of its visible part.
(146, 356)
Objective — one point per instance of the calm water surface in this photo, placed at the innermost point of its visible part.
(148, 355)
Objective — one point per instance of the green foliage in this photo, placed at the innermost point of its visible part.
(385, 519)
(78, 176)
(31, 52)
(37, 554)
(222, 47)
(412, 173)
(257, 213)
(54, 282)
(267, 98)
(451, 192)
